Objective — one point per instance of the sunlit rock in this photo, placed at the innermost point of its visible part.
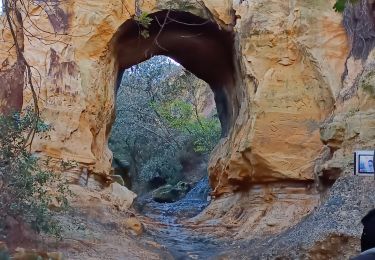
(286, 86)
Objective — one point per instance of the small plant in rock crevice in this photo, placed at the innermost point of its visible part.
(144, 20)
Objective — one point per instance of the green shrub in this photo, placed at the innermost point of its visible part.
(24, 184)
(158, 124)
(165, 165)
(203, 132)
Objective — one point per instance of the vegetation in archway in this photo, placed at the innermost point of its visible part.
(161, 129)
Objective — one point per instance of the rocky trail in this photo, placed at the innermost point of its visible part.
(168, 224)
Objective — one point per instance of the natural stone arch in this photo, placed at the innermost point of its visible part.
(200, 45)
(293, 55)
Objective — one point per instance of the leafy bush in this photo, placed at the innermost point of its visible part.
(158, 121)
(204, 132)
(24, 184)
(165, 165)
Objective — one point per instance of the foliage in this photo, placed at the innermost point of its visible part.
(164, 164)
(158, 121)
(180, 116)
(145, 21)
(24, 184)
(341, 4)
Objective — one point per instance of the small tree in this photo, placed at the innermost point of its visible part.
(24, 184)
(158, 121)
(180, 115)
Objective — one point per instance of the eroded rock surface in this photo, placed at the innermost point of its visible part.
(292, 57)
(300, 102)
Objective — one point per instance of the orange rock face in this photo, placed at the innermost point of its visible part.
(264, 209)
(292, 62)
(290, 57)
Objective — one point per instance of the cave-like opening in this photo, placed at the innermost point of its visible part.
(165, 129)
(199, 45)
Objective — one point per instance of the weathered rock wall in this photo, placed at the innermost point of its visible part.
(290, 56)
(70, 47)
(314, 80)
(352, 126)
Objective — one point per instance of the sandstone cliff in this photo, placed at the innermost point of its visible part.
(298, 103)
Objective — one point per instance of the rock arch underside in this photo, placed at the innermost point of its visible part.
(287, 88)
(196, 43)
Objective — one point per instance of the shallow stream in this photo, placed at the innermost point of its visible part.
(169, 230)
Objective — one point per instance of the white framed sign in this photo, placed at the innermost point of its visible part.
(364, 163)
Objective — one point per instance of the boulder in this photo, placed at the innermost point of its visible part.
(122, 168)
(123, 197)
(170, 193)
